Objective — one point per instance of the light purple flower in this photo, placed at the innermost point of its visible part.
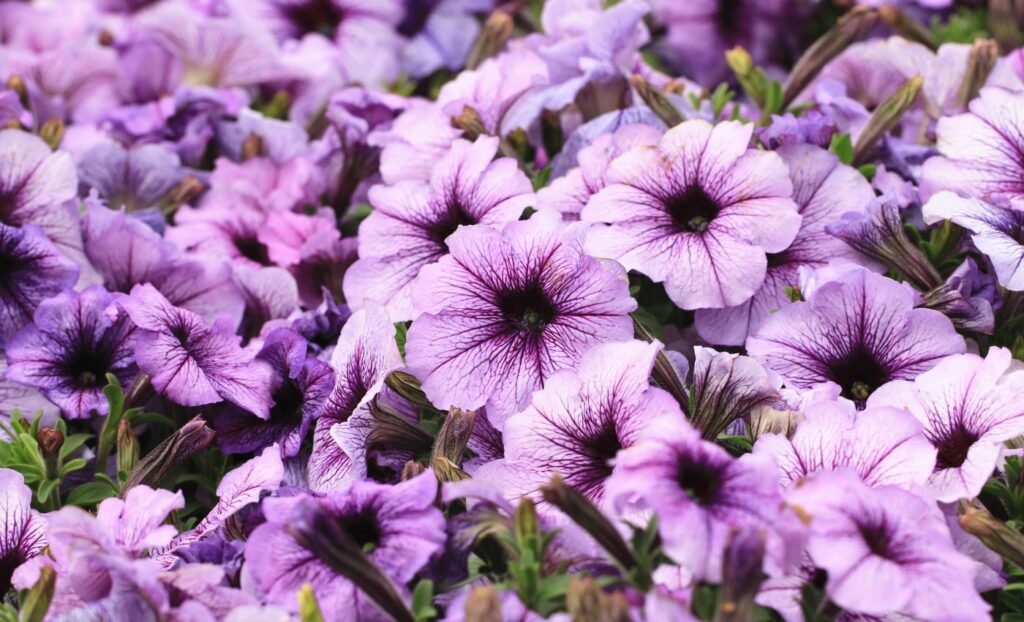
(397, 526)
(24, 531)
(301, 387)
(417, 139)
(441, 34)
(981, 150)
(505, 310)
(811, 127)
(412, 219)
(969, 406)
(569, 194)
(858, 331)
(31, 270)
(824, 189)
(192, 363)
(135, 179)
(579, 421)
(698, 212)
(996, 231)
(366, 353)
(726, 388)
(883, 445)
(35, 186)
(701, 494)
(886, 551)
(70, 348)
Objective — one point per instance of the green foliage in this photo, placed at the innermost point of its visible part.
(22, 453)
(423, 601)
(842, 146)
(963, 26)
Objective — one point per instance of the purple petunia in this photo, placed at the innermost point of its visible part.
(24, 531)
(70, 348)
(191, 362)
(858, 331)
(700, 211)
(412, 219)
(505, 310)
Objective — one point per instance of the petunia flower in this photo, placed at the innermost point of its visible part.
(698, 212)
(726, 388)
(996, 231)
(883, 445)
(980, 150)
(505, 310)
(412, 219)
(301, 387)
(397, 527)
(24, 530)
(440, 34)
(885, 550)
(36, 183)
(701, 494)
(969, 406)
(859, 331)
(824, 189)
(579, 422)
(70, 348)
(31, 270)
(365, 354)
(190, 362)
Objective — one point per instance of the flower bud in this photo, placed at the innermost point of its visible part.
(186, 191)
(664, 374)
(52, 133)
(447, 471)
(127, 447)
(187, 441)
(309, 609)
(656, 101)
(980, 62)
(492, 38)
(525, 519)
(50, 441)
(37, 604)
(1003, 24)
(483, 605)
(741, 576)
(993, 533)
(139, 392)
(587, 602)
(850, 27)
(412, 469)
(252, 147)
(750, 77)
(885, 117)
(470, 123)
(906, 26)
(454, 435)
(766, 420)
(408, 387)
(592, 520)
(17, 84)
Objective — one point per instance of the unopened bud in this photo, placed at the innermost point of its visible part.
(309, 608)
(750, 77)
(885, 117)
(1003, 24)
(252, 147)
(105, 38)
(587, 602)
(50, 441)
(37, 604)
(656, 101)
(741, 576)
(408, 387)
(592, 520)
(980, 62)
(17, 84)
(483, 605)
(127, 447)
(994, 534)
(492, 38)
(767, 420)
(664, 374)
(470, 123)
(187, 189)
(139, 392)
(448, 471)
(850, 27)
(187, 441)
(906, 26)
(52, 133)
(454, 435)
(525, 519)
(277, 107)
(412, 469)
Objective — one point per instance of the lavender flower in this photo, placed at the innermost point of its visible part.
(580, 420)
(70, 348)
(698, 212)
(24, 532)
(969, 406)
(190, 362)
(859, 331)
(135, 179)
(31, 270)
(885, 550)
(700, 494)
(507, 309)
(398, 528)
(412, 219)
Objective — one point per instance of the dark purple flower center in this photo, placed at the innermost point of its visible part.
(730, 15)
(417, 12)
(527, 309)
(86, 366)
(363, 529)
(600, 448)
(315, 16)
(701, 481)
(288, 402)
(693, 209)
(953, 447)
(252, 249)
(453, 218)
(8, 564)
(858, 373)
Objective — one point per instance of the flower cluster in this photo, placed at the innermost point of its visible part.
(467, 310)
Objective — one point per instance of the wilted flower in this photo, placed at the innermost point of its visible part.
(505, 310)
(700, 212)
(70, 348)
(859, 331)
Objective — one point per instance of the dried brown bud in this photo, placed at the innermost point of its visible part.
(407, 386)
(656, 101)
(1003, 24)
(492, 38)
(188, 440)
(980, 62)
(470, 123)
(252, 147)
(187, 189)
(50, 441)
(17, 84)
(993, 533)
(906, 26)
(766, 420)
(52, 133)
(454, 435)
(412, 469)
(105, 38)
(483, 605)
(447, 471)
(587, 602)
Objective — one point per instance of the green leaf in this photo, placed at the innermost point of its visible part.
(842, 146)
(91, 493)
(401, 333)
(72, 465)
(71, 444)
(423, 601)
(46, 489)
